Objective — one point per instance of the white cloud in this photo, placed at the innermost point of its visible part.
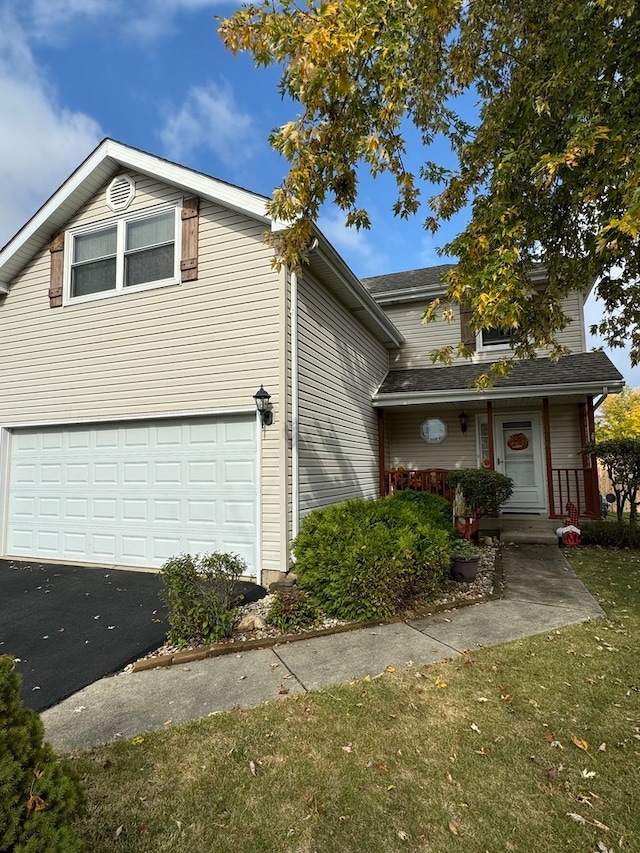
(209, 118)
(358, 248)
(40, 142)
(49, 20)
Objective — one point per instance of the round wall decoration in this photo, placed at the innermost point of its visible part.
(518, 441)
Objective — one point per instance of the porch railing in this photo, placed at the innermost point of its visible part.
(570, 484)
(567, 484)
(434, 480)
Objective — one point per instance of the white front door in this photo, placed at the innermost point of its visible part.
(518, 451)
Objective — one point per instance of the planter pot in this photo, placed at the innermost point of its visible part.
(468, 526)
(465, 570)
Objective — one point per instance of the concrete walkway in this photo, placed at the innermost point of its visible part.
(541, 593)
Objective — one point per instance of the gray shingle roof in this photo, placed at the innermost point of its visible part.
(427, 277)
(580, 368)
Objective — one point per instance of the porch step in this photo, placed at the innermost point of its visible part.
(523, 529)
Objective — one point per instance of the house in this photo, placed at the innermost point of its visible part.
(531, 425)
(141, 320)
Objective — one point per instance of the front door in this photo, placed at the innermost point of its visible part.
(518, 450)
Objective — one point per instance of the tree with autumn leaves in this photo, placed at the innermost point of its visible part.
(550, 169)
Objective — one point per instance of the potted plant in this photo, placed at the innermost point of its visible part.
(465, 557)
(477, 492)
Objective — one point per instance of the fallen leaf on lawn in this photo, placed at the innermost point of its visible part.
(580, 743)
(35, 804)
(137, 740)
(252, 768)
(347, 748)
(391, 668)
(481, 699)
(118, 831)
(577, 817)
(602, 747)
(482, 751)
(440, 682)
(450, 778)
(283, 690)
(551, 772)
(602, 848)
(475, 728)
(587, 774)
(402, 835)
(453, 828)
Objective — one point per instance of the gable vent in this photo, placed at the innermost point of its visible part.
(120, 193)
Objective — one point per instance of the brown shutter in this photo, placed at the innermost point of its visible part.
(467, 335)
(189, 262)
(56, 248)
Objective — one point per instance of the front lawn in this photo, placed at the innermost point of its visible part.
(532, 746)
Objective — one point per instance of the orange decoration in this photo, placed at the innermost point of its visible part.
(518, 441)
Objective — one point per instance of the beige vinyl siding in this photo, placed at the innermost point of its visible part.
(204, 345)
(408, 449)
(422, 339)
(340, 367)
(564, 427)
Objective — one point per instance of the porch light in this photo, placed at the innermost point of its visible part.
(462, 417)
(262, 398)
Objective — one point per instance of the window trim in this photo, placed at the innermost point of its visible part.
(481, 346)
(120, 222)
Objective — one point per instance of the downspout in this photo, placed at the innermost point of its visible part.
(295, 425)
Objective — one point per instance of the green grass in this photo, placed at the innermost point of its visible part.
(481, 753)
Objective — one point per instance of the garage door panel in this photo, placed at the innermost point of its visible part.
(134, 495)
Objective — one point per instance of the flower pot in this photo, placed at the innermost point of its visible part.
(464, 570)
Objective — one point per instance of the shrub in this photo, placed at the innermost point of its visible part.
(484, 491)
(431, 508)
(364, 560)
(292, 609)
(201, 596)
(39, 795)
(610, 535)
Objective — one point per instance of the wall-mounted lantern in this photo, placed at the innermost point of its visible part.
(462, 417)
(262, 398)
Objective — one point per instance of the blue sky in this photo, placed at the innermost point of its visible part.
(154, 74)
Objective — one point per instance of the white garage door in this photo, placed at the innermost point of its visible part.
(134, 494)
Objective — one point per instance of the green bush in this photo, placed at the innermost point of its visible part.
(431, 508)
(610, 535)
(201, 596)
(292, 609)
(484, 491)
(39, 795)
(363, 560)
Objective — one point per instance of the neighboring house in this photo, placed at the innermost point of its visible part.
(139, 315)
(530, 426)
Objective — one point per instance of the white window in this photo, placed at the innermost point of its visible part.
(132, 252)
(493, 339)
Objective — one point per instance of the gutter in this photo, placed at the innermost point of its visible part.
(469, 395)
(295, 404)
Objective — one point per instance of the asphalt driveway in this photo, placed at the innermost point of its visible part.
(71, 625)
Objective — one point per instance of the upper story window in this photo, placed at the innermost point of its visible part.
(492, 339)
(138, 251)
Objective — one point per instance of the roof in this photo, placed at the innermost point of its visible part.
(411, 284)
(581, 373)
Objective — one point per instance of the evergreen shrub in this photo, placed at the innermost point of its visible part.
(362, 560)
(201, 596)
(39, 795)
(610, 534)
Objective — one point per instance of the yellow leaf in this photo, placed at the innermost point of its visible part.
(581, 744)
(391, 668)
(453, 828)
(440, 682)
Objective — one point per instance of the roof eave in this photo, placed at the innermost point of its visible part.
(468, 395)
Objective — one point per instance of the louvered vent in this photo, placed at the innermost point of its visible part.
(120, 193)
